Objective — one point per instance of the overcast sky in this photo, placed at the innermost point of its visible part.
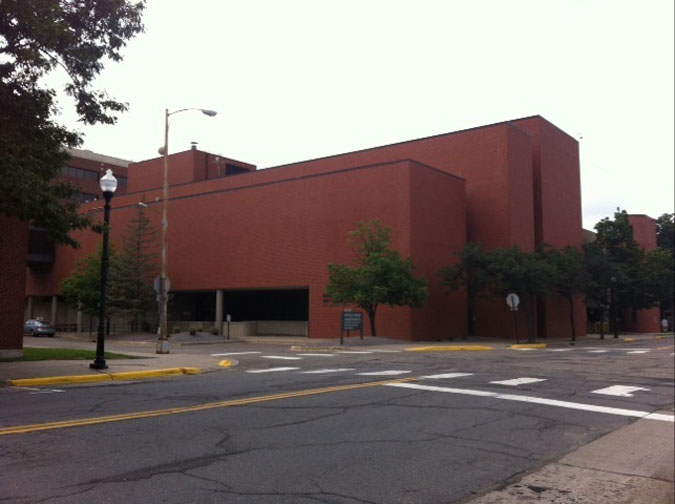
(294, 80)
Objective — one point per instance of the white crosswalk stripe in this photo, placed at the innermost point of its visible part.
(233, 353)
(352, 352)
(618, 390)
(272, 370)
(518, 381)
(391, 372)
(318, 354)
(280, 357)
(446, 375)
(638, 351)
(598, 351)
(324, 371)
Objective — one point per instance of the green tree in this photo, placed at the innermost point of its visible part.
(131, 292)
(470, 274)
(569, 278)
(525, 273)
(36, 37)
(382, 276)
(665, 232)
(599, 272)
(83, 287)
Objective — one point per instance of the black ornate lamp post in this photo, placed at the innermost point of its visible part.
(108, 185)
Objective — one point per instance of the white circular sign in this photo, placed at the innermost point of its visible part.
(512, 300)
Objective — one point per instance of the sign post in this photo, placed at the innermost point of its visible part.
(351, 321)
(229, 319)
(512, 301)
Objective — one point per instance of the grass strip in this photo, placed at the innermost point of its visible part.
(40, 354)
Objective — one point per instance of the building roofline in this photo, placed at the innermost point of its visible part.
(501, 123)
(254, 185)
(93, 156)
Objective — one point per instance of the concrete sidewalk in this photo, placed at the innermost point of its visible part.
(634, 464)
(144, 365)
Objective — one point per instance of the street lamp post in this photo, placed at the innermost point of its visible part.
(163, 342)
(108, 185)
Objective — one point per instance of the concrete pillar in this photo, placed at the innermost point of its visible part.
(55, 307)
(219, 311)
(29, 314)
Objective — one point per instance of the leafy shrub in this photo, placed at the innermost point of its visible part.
(214, 331)
(192, 331)
(175, 330)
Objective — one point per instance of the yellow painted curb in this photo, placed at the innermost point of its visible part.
(448, 348)
(529, 345)
(28, 382)
(225, 363)
(133, 375)
(128, 375)
(628, 340)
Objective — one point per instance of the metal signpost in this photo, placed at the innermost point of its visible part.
(512, 300)
(350, 322)
(162, 344)
(228, 317)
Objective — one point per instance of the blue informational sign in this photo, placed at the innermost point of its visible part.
(352, 321)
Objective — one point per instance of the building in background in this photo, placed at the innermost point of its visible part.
(255, 244)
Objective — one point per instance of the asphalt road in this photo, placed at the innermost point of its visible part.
(380, 427)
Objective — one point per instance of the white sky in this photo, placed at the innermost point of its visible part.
(297, 79)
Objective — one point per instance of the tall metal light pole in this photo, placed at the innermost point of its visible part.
(108, 185)
(163, 342)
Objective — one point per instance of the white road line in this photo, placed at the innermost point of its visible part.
(387, 351)
(618, 390)
(539, 400)
(322, 371)
(233, 353)
(446, 375)
(272, 370)
(391, 372)
(518, 381)
(47, 391)
(280, 357)
(560, 349)
(318, 354)
(598, 351)
(352, 352)
(638, 351)
(525, 349)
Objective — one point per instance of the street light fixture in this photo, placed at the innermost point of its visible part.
(163, 342)
(108, 185)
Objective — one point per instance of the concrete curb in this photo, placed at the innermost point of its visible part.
(449, 348)
(128, 375)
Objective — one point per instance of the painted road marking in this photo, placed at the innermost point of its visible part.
(24, 429)
(321, 371)
(560, 349)
(618, 390)
(318, 354)
(387, 351)
(638, 351)
(518, 381)
(538, 400)
(233, 353)
(272, 370)
(391, 372)
(353, 352)
(47, 391)
(598, 351)
(280, 357)
(446, 375)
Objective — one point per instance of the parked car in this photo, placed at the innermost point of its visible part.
(38, 328)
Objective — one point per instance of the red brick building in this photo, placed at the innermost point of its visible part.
(255, 244)
(23, 246)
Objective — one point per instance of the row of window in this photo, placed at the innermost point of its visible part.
(79, 173)
(71, 171)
